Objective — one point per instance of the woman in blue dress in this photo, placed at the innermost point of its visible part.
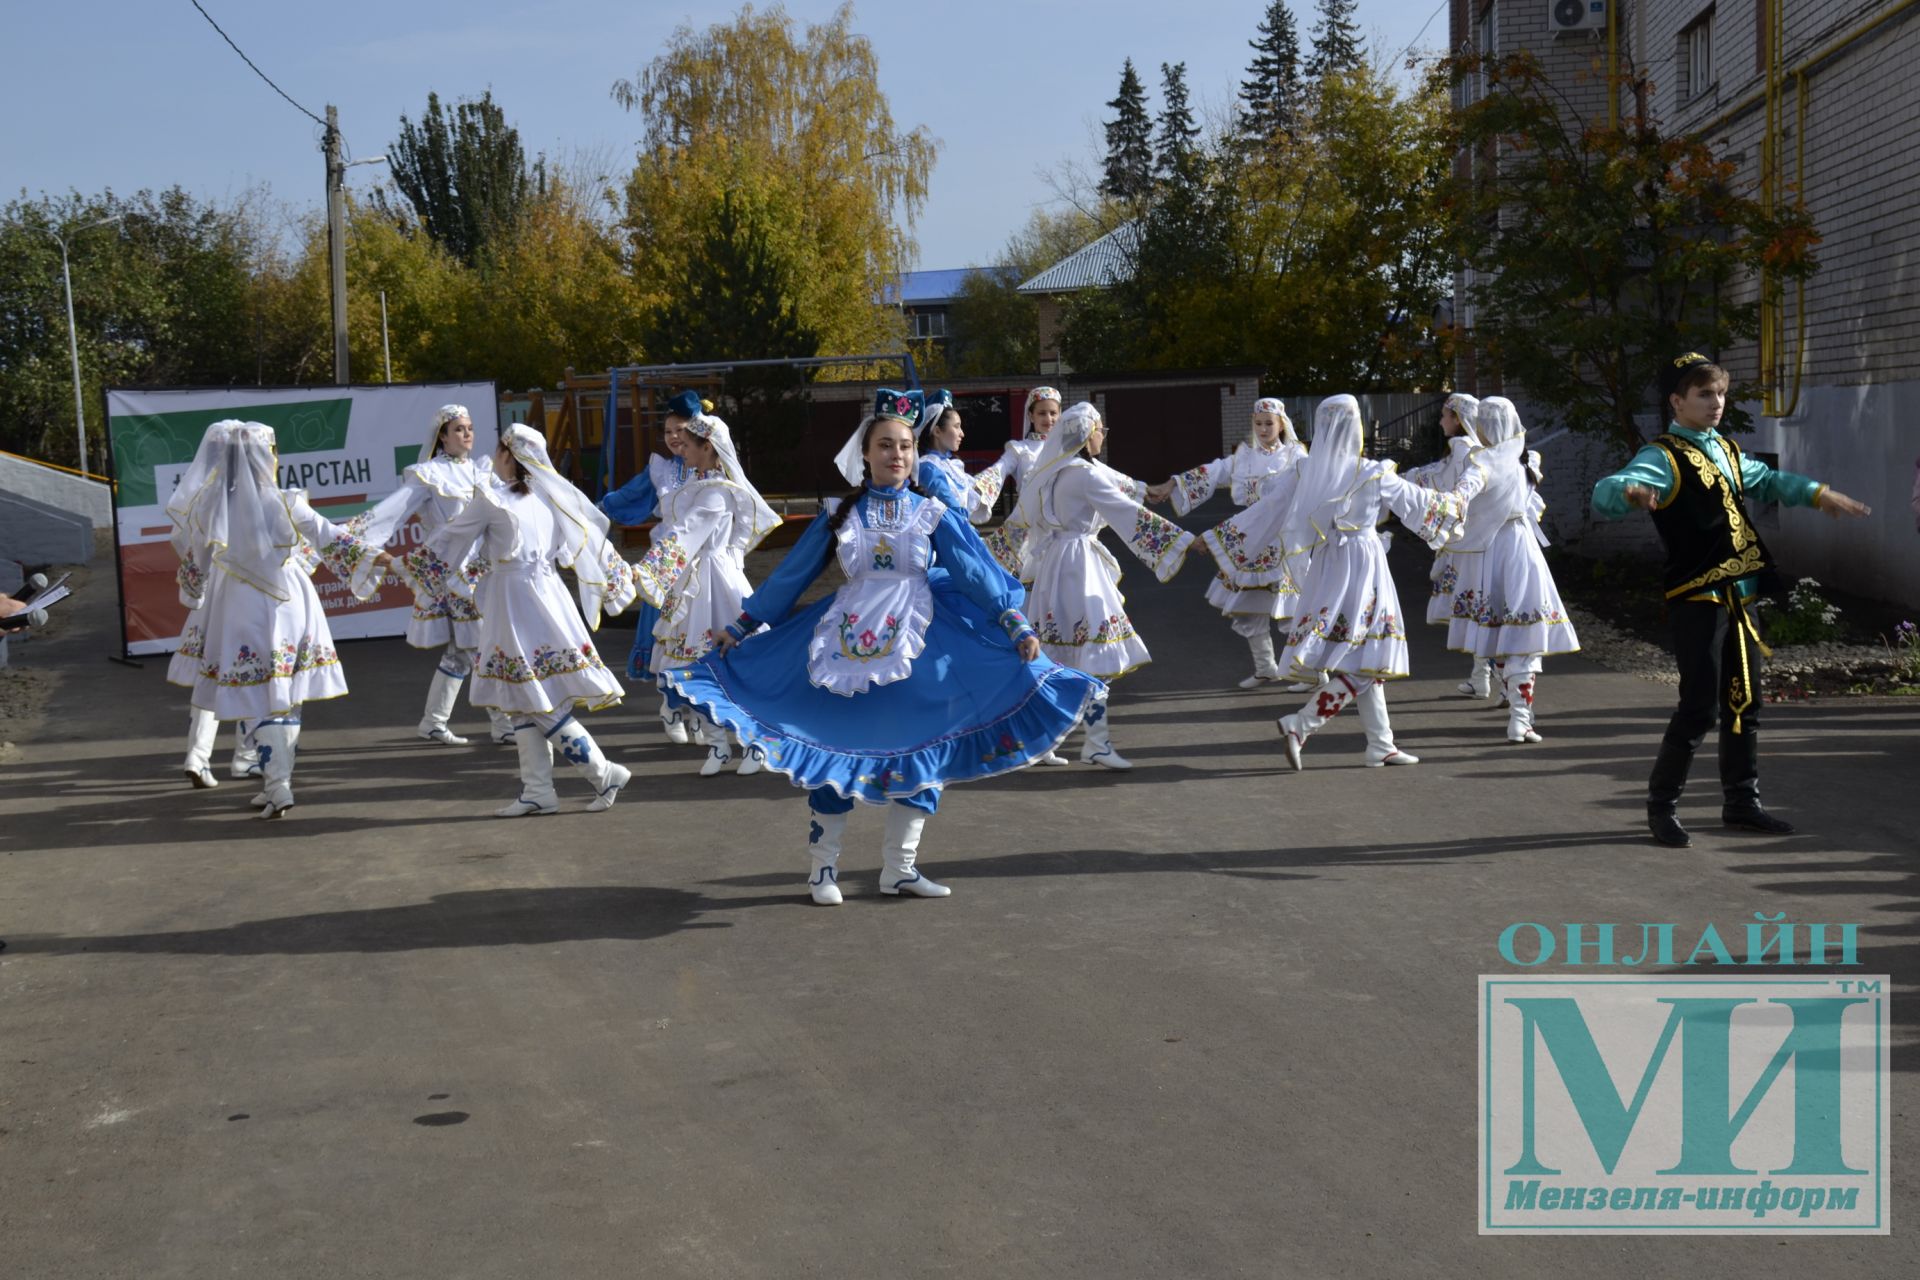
(917, 677)
(638, 501)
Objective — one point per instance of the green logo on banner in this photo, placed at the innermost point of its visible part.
(143, 442)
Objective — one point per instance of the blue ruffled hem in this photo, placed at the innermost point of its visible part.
(971, 709)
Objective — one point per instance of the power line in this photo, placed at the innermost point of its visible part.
(1423, 30)
(256, 70)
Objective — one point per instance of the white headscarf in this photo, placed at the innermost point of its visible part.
(442, 416)
(1329, 474)
(1464, 407)
(230, 503)
(1267, 404)
(1063, 444)
(717, 433)
(1503, 453)
(580, 526)
(1026, 413)
(851, 461)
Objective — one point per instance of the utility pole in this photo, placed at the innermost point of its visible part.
(337, 242)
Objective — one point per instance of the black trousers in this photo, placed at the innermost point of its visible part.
(1719, 684)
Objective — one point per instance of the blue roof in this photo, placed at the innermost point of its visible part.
(920, 288)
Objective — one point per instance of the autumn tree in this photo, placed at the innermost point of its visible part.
(1599, 250)
(1320, 256)
(797, 118)
(164, 295)
(464, 173)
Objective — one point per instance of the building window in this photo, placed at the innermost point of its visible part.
(929, 324)
(1696, 55)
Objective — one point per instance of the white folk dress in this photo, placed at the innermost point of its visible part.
(248, 653)
(1249, 586)
(436, 490)
(695, 572)
(1008, 542)
(1075, 602)
(1445, 576)
(1347, 617)
(536, 655)
(1506, 604)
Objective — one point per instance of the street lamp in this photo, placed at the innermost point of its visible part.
(73, 336)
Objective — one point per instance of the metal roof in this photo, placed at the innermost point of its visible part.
(1092, 266)
(928, 288)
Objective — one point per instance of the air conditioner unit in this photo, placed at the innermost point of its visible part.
(1576, 15)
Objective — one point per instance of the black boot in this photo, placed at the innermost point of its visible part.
(1740, 786)
(1664, 785)
(1666, 827)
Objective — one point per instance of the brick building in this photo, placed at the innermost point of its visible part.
(1844, 116)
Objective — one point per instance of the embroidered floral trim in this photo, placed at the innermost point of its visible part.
(1233, 540)
(344, 554)
(1448, 580)
(679, 649)
(545, 663)
(1196, 486)
(192, 580)
(1006, 542)
(986, 486)
(864, 644)
(1112, 629)
(1154, 535)
(1375, 624)
(251, 666)
(1007, 746)
(661, 569)
(194, 643)
(1481, 614)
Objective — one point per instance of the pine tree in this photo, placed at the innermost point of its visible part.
(1174, 150)
(1337, 45)
(1271, 94)
(464, 173)
(1129, 170)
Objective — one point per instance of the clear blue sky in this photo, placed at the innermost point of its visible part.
(144, 94)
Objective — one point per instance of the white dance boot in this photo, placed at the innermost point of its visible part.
(278, 741)
(752, 761)
(246, 752)
(442, 695)
(897, 873)
(1301, 686)
(499, 727)
(719, 745)
(1373, 718)
(202, 729)
(824, 837)
(1098, 748)
(578, 748)
(537, 798)
(1323, 706)
(1479, 682)
(1519, 690)
(674, 723)
(1264, 669)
